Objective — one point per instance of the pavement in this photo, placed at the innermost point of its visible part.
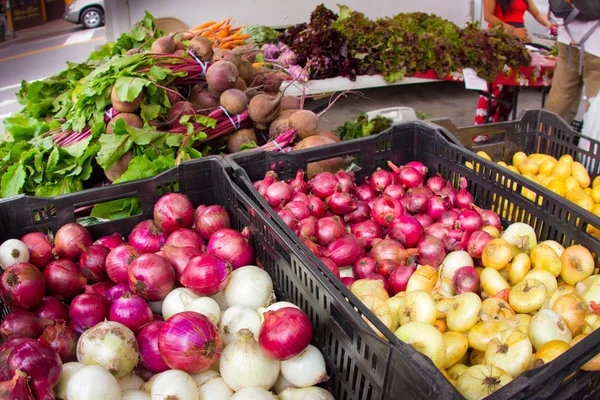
(49, 29)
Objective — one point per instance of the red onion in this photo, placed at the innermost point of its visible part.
(278, 194)
(417, 202)
(389, 249)
(41, 251)
(449, 218)
(206, 275)
(16, 387)
(380, 180)
(51, 308)
(425, 220)
(438, 230)
(436, 206)
(299, 209)
(301, 197)
(110, 242)
(116, 292)
(63, 340)
(93, 262)
(469, 221)
(262, 185)
(212, 219)
(364, 267)
(419, 166)
(38, 360)
(386, 267)
(288, 218)
(285, 333)
(367, 230)
(344, 251)
(22, 286)
(365, 193)
(328, 230)
(189, 341)
(179, 257)
(406, 230)
(307, 228)
(385, 210)
(347, 281)
(64, 279)
(87, 310)
(298, 184)
(231, 246)
(340, 203)
(23, 324)
(173, 211)
(477, 242)
(466, 279)
(312, 246)
(395, 190)
(435, 183)
(100, 288)
(346, 180)
(323, 184)
(185, 237)
(463, 197)
(360, 214)
(431, 251)
(488, 217)
(316, 206)
(399, 278)
(408, 176)
(131, 311)
(455, 240)
(331, 266)
(151, 277)
(448, 191)
(147, 340)
(377, 277)
(156, 318)
(147, 237)
(118, 261)
(5, 349)
(67, 240)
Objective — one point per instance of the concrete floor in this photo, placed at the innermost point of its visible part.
(436, 99)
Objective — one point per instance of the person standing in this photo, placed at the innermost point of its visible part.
(4, 6)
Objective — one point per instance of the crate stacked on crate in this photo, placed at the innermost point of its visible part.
(491, 187)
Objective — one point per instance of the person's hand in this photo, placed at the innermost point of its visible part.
(553, 28)
(521, 33)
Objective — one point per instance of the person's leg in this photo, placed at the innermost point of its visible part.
(591, 76)
(4, 21)
(566, 85)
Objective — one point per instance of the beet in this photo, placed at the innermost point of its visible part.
(178, 110)
(240, 84)
(222, 75)
(130, 119)
(173, 95)
(202, 47)
(226, 55)
(290, 103)
(281, 124)
(264, 108)
(234, 101)
(239, 137)
(125, 106)
(245, 69)
(272, 82)
(163, 45)
(305, 122)
(119, 167)
(200, 96)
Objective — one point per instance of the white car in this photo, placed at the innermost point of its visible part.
(533, 27)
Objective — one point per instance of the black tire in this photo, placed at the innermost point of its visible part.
(92, 17)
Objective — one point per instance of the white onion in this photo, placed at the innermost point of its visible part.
(156, 306)
(454, 261)
(236, 318)
(464, 312)
(174, 384)
(249, 286)
(68, 370)
(312, 393)
(426, 339)
(558, 248)
(221, 301)
(273, 307)
(134, 395)
(205, 306)
(520, 235)
(93, 383)
(479, 381)
(510, 351)
(111, 345)
(417, 306)
(253, 393)
(130, 382)
(147, 387)
(211, 386)
(174, 302)
(281, 384)
(548, 325)
(306, 369)
(244, 364)
(13, 251)
(346, 273)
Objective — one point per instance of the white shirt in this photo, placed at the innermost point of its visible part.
(578, 29)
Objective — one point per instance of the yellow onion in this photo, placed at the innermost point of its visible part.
(417, 306)
(464, 312)
(557, 247)
(394, 305)
(446, 288)
(496, 254)
(465, 359)
(476, 357)
(492, 230)
(368, 287)
(594, 363)
(591, 292)
(456, 347)
(573, 308)
(527, 296)
(380, 309)
(521, 322)
(495, 308)
(424, 278)
(425, 339)
(492, 282)
(547, 325)
(561, 290)
(521, 236)
(544, 257)
(549, 351)
(518, 268)
(443, 306)
(504, 273)
(511, 351)
(586, 284)
(456, 370)
(479, 381)
(592, 322)
(546, 278)
(480, 335)
(577, 264)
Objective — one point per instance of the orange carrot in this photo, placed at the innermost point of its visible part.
(223, 33)
(202, 26)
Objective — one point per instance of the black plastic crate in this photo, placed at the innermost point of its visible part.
(356, 358)
(491, 185)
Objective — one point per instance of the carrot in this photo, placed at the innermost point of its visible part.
(219, 25)
(226, 45)
(223, 33)
(235, 36)
(202, 26)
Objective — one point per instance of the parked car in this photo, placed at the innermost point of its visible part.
(89, 13)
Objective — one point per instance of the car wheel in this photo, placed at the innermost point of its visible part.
(92, 18)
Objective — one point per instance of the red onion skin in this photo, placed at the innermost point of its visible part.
(93, 263)
(389, 249)
(367, 230)
(328, 230)
(278, 194)
(438, 230)
(425, 220)
(323, 185)
(131, 311)
(179, 257)
(5, 349)
(262, 185)
(301, 197)
(307, 228)
(38, 360)
(190, 342)
(299, 209)
(147, 237)
(418, 203)
(378, 277)
(363, 267)
(477, 242)
(316, 207)
(455, 240)
(386, 267)
(63, 340)
(41, 251)
(345, 251)
(151, 277)
(331, 266)
(448, 191)
(51, 308)
(340, 203)
(408, 176)
(346, 180)
(395, 190)
(64, 279)
(211, 220)
(67, 240)
(116, 292)
(173, 211)
(431, 251)
(463, 197)
(365, 193)
(298, 184)
(22, 286)
(157, 318)
(466, 279)
(469, 221)
(22, 324)
(206, 275)
(489, 217)
(360, 214)
(185, 237)
(110, 242)
(385, 210)
(398, 279)
(419, 166)
(285, 333)
(380, 180)
(100, 288)
(147, 339)
(313, 247)
(449, 218)
(87, 310)
(406, 230)
(118, 261)
(435, 183)
(436, 206)
(231, 246)
(348, 281)
(16, 387)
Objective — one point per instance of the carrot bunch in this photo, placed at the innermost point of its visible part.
(223, 34)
